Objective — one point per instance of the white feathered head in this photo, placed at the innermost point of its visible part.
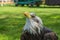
(33, 23)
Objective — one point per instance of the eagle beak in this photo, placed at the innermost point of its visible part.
(27, 14)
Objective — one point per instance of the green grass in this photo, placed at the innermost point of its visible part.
(12, 20)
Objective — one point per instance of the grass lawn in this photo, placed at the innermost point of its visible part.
(12, 20)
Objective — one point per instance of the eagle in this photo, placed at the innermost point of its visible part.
(35, 30)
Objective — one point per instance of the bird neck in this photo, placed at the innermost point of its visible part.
(32, 27)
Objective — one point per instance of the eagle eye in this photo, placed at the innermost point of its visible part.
(32, 16)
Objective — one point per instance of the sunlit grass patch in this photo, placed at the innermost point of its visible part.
(3, 37)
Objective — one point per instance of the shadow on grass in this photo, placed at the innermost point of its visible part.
(12, 27)
(44, 7)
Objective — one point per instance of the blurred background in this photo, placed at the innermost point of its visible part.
(12, 19)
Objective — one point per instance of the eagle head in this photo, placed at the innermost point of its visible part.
(33, 23)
